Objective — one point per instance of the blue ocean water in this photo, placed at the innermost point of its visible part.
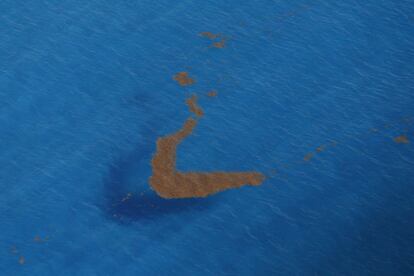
(86, 88)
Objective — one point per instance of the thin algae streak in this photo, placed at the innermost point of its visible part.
(170, 183)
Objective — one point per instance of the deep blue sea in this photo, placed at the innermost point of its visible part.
(317, 95)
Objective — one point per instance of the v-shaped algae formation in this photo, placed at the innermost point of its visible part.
(170, 183)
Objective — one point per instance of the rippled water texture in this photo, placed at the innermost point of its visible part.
(316, 95)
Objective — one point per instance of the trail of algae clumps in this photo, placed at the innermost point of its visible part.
(170, 183)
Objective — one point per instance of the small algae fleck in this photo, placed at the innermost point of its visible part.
(402, 139)
(220, 44)
(212, 93)
(219, 41)
(209, 35)
(308, 156)
(183, 79)
(38, 239)
(320, 148)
